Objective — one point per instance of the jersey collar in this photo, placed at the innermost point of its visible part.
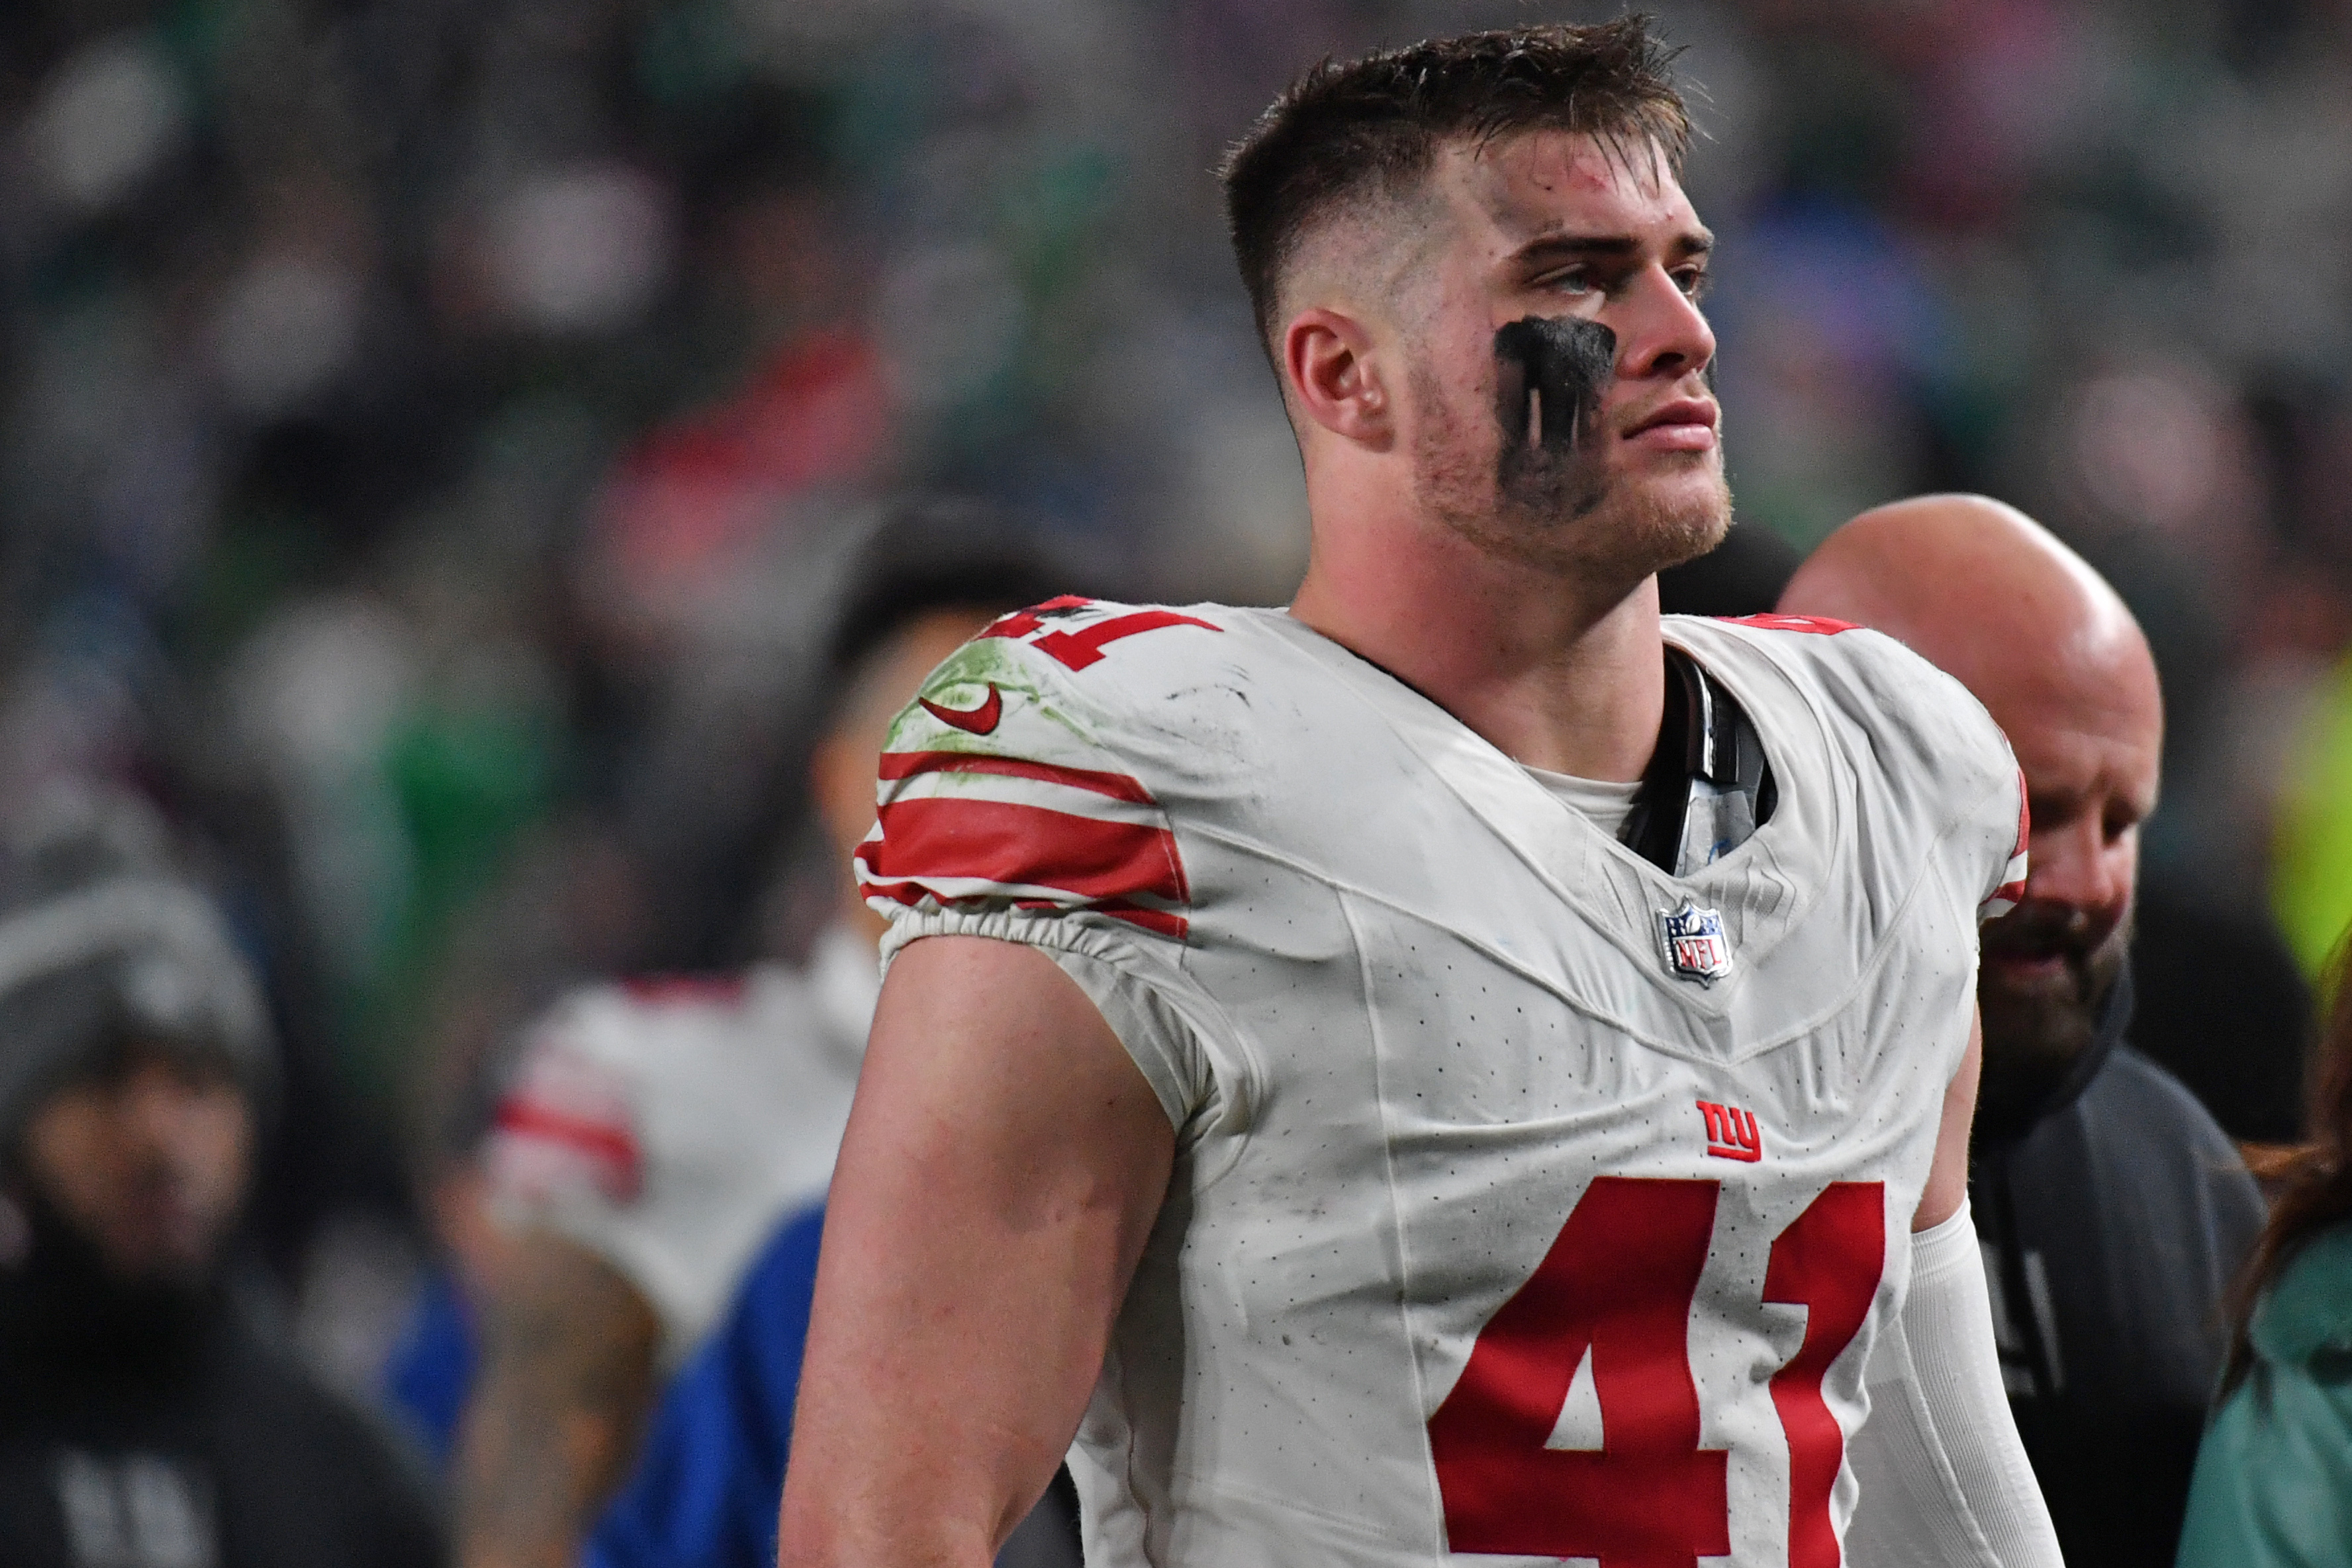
(1762, 889)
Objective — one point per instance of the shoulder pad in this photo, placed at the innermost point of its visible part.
(1020, 775)
(1916, 725)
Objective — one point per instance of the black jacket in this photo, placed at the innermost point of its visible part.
(196, 1444)
(2112, 1225)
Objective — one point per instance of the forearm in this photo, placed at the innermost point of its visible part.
(557, 1411)
(924, 1446)
(1944, 1476)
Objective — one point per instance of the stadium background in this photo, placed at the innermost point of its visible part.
(429, 431)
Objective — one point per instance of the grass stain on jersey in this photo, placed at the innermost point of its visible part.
(965, 675)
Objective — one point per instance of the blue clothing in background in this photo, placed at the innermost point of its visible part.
(430, 1370)
(704, 1493)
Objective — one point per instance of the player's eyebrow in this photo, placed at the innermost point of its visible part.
(1557, 246)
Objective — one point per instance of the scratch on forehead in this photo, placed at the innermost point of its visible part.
(1517, 179)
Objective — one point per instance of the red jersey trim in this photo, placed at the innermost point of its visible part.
(1020, 622)
(610, 1147)
(1820, 625)
(1025, 846)
(710, 990)
(1079, 647)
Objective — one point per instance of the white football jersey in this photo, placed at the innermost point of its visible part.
(1530, 1202)
(667, 1125)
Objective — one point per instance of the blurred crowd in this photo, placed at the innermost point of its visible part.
(434, 436)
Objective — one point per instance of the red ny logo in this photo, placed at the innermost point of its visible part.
(1731, 1133)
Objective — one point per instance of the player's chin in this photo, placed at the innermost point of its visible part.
(1683, 510)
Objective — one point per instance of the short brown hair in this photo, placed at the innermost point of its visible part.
(1345, 131)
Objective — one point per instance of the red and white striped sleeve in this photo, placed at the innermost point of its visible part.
(2011, 891)
(1020, 798)
(565, 1132)
(964, 829)
(1003, 788)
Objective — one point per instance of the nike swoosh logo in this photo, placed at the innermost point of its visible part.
(980, 720)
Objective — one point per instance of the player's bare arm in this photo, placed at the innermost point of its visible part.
(1003, 1166)
(569, 1356)
(1948, 1180)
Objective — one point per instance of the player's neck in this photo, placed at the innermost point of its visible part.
(1569, 686)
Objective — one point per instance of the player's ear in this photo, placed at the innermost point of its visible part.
(1334, 377)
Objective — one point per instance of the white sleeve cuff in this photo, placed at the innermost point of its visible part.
(1126, 985)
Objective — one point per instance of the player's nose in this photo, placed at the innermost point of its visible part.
(1663, 332)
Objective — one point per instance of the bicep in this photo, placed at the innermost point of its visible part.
(1004, 1163)
(1947, 1178)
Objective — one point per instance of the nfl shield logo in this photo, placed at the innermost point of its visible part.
(1694, 944)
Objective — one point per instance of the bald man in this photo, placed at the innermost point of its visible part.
(2111, 1208)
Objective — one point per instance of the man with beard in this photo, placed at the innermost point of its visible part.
(145, 1421)
(1464, 1065)
(2113, 1209)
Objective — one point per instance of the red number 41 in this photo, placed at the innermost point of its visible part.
(1617, 1284)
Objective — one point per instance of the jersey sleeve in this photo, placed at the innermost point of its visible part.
(581, 1149)
(2011, 890)
(566, 1135)
(1017, 800)
(1931, 736)
(1953, 741)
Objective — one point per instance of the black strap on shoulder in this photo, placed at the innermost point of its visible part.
(1705, 738)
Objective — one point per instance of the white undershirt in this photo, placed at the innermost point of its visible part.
(1604, 805)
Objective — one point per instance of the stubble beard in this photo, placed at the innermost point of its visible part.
(2034, 1039)
(1565, 514)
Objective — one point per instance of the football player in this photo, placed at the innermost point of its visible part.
(658, 1132)
(1464, 1065)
